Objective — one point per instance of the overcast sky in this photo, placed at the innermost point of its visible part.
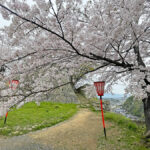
(3, 22)
(119, 88)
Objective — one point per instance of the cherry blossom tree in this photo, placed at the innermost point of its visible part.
(60, 36)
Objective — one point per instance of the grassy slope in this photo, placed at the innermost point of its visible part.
(134, 107)
(31, 117)
(123, 135)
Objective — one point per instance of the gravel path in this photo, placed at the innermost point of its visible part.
(24, 142)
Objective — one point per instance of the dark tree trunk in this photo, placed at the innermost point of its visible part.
(146, 103)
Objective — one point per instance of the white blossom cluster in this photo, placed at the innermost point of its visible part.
(49, 40)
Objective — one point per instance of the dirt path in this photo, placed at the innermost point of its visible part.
(81, 132)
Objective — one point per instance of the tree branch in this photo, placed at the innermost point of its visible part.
(33, 93)
(115, 62)
(19, 58)
(56, 15)
(94, 57)
(90, 71)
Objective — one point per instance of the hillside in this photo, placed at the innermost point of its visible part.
(134, 107)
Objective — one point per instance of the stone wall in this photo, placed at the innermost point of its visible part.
(106, 105)
(64, 94)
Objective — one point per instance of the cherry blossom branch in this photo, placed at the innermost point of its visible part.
(115, 62)
(94, 57)
(32, 53)
(32, 30)
(90, 71)
(33, 93)
(146, 41)
(21, 57)
(44, 28)
(49, 30)
(77, 51)
(19, 26)
(117, 50)
(146, 28)
(57, 18)
(50, 64)
(59, 49)
(4, 65)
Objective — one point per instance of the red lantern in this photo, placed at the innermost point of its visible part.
(100, 91)
(13, 84)
(100, 87)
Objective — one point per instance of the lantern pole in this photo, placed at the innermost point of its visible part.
(10, 86)
(103, 116)
(5, 118)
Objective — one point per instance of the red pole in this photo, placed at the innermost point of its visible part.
(5, 118)
(103, 116)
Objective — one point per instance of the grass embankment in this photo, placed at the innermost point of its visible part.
(31, 117)
(124, 134)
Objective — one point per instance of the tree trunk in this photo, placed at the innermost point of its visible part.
(146, 103)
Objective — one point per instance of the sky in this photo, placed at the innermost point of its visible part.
(117, 89)
(3, 22)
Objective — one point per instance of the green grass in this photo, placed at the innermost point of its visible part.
(31, 117)
(121, 120)
(125, 134)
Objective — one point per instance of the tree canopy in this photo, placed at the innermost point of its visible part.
(60, 36)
